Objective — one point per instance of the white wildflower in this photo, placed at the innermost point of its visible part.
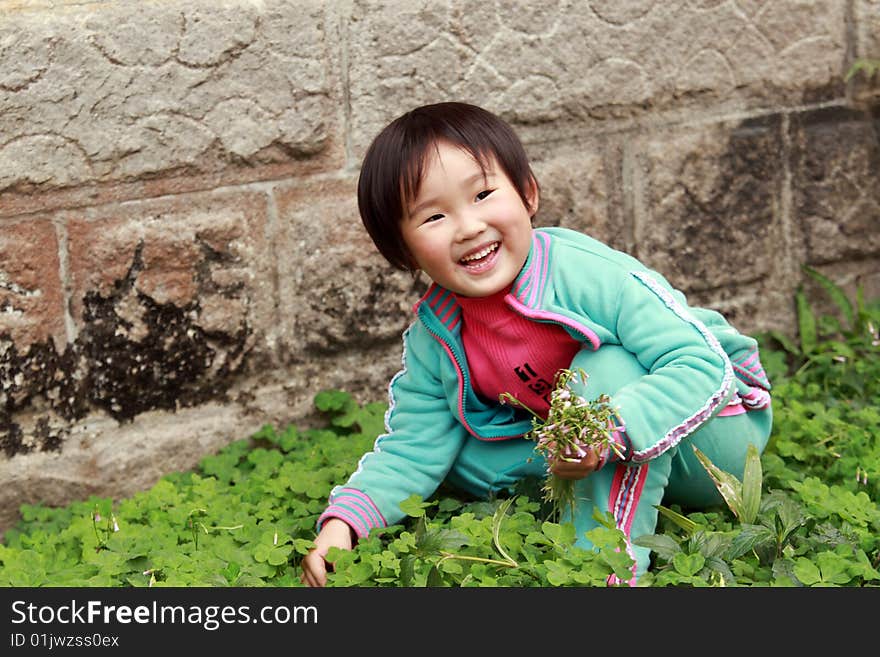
(572, 425)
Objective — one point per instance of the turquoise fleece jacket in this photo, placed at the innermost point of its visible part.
(695, 360)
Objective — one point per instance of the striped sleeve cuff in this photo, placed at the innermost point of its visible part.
(748, 368)
(354, 508)
(756, 399)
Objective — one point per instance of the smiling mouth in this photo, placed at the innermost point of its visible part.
(477, 258)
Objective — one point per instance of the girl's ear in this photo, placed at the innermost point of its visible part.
(533, 195)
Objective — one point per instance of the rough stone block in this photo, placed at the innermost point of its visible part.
(573, 63)
(31, 297)
(867, 22)
(836, 197)
(336, 291)
(708, 206)
(753, 307)
(171, 298)
(580, 190)
(107, 92)
(33, 336)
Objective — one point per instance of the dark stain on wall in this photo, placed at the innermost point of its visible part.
(169, 362)
(171, 366)
(41, 378)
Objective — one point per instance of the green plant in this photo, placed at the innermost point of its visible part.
(743, 498)
(765, 548)
(572, 424)
(868, 67)
(839, 348)
(478, 544)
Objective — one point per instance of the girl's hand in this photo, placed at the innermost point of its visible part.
(577, 469)
(334, 533)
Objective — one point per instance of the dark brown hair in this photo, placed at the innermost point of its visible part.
(394, 164)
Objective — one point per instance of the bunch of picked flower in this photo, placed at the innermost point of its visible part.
(573, 424)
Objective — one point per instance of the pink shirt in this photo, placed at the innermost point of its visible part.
(508, 353)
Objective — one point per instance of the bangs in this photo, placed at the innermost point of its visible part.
(415, 161)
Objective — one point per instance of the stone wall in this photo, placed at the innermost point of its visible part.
(181, 259)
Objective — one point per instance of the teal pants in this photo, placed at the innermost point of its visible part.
(630, 491)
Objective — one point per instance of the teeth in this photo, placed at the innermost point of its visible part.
(482, 253)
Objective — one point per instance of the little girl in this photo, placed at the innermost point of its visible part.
(447, 189)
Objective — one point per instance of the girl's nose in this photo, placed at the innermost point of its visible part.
(470, 225)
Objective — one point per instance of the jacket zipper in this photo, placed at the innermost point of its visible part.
(462, 382)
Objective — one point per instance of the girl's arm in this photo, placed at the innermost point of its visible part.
(422, 439)
(690, 377)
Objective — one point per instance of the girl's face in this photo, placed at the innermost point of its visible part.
(468, 232)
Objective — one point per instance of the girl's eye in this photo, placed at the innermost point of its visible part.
(484, 194)
(433, 217)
